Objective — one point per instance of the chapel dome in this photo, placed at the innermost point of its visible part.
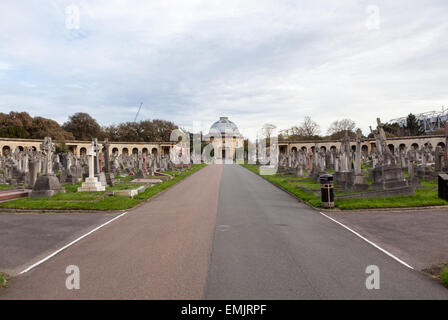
(224, 127)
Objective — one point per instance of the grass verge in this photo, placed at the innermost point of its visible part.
(72, 200)
(307, 190)
(150, 192)
(438, 272)
(3, 280)
(444, 277)
(5, 187)
(289, 185)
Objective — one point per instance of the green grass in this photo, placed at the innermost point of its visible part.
(72, 200)
(425, 196)
(171, 173)
(6, 186)
(125, 186)
(291, 187)
(125, 178)
(150, 192)
(71, 187)
(3, 280)
(444, 277)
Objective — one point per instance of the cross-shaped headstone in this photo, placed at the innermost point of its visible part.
(91, 153)
(96, 150)
(47, 149)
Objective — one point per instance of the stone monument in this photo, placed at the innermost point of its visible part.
(387, 175)
(47, 184)
(110, 177)
(91, 184)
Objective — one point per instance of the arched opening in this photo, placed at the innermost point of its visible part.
(125, 151)
(294, 149)
(154, 151)
(402, 147)
(333, 149)
(115, 151)
(33, 148)
(70, 150)
(441, 145)
(83, 151)
(312, 149)
(304, 149)
(20, 148)
(134, 151)
(373, 147)
(391, 148)
(323, 148)
(145, 151)
(414, 146)
(364, 149)
(6, 150)
(354, 148)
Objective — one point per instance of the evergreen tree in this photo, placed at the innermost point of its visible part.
(413, 127)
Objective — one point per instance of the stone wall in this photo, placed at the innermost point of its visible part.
(368, 144)
(77, 147)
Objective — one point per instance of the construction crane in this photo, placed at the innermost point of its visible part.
(135, 120)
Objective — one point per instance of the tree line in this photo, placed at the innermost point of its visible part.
(81, 126)
(310, 130)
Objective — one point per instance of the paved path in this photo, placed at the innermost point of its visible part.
(160, 250)
(419, 237)
(274, 247)
(223, 233)
(27, 238)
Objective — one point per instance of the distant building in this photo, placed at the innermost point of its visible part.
(226, 139)
(429, 121)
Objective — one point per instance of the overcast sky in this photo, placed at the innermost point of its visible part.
(255, 61)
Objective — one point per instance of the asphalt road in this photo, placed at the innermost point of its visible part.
(27, 238)
(159, 250)
(223, 233)
(270, 246)
(419, 237)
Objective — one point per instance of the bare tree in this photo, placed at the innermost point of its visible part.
(308, 128)
(341, 126)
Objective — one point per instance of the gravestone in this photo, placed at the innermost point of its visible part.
(387, 175)
(91, 184)
(47, 184)
(97, 169)
(110, 177)
(343, 176)
(357, 182)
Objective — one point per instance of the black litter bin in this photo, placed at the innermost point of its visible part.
(327, 190)
(443, 186)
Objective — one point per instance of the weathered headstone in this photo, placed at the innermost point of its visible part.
(358, 180)
(387, 175)
(47, 184)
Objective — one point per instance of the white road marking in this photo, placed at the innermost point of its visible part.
(369, 242)
(71, 243)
